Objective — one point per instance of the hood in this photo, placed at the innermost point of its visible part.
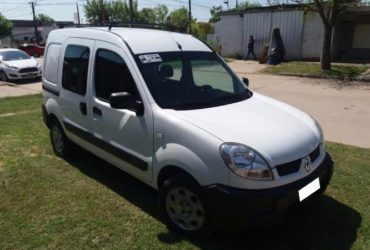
(27, 63)
(279, 132)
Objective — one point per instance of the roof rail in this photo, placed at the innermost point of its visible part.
(155, 26)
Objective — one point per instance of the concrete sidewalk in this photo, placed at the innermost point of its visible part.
(11, 89)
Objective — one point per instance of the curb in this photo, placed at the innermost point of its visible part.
(359, 79)
(8, 84)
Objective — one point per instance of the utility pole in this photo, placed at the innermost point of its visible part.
(131, 12)
(102, 17)
(190, 16)
(237, 4)
(78, 15)
(34, 22)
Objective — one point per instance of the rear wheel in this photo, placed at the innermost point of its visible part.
(183, 207)
(62, 146)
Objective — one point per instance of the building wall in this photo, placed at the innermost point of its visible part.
(233, 32)
(313, 33)
(229, 35)
(19, 33)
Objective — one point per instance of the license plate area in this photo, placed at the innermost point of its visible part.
(309, 189)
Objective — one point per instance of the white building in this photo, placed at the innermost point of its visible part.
(301, 32)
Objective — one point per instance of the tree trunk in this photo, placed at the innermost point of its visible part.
(326, 48)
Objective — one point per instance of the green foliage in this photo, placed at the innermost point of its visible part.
(215, 14)
(147, 15)
(179, 18)
(247, 5)
(314, 70)
(119, 11)
(44, 19)
(5, 27)
(112, 11)
(160, 12)
(201, 30)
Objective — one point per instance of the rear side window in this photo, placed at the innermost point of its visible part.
(112, 75)
(52, 63)
(75, 67)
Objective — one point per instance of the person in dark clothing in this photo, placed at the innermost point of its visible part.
(251, 48)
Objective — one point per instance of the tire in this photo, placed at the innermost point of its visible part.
(183, 207)
(62, 146)
(4, 77)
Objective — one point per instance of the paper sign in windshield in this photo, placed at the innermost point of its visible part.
(151, 58)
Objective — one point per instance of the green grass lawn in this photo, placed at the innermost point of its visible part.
(85, 203)
(313, 69)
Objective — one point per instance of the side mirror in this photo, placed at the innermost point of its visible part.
(246, 81)
(124, 100)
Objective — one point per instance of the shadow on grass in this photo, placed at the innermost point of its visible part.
(320, 223)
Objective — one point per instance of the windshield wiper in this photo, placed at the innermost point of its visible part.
(191, 105)
(230, 98)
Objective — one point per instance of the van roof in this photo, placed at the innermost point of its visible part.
(139, 40)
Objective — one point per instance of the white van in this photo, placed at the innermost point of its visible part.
(165, 108)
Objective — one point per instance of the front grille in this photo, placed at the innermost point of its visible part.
(289, 168)
(27, 70)
(315, 154)
(293, 166)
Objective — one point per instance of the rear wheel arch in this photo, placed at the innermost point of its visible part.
(50, 118)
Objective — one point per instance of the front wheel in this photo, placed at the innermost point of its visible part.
(62, 146)
(4, 77)
(183, 207)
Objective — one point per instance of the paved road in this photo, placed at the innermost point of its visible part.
(343, 111)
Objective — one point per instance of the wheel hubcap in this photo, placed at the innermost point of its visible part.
(185, 209)
(57, 137)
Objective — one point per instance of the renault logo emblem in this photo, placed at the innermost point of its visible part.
(307, 164)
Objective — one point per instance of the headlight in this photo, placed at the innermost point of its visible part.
(245, 162)
(12, 67)
(38, 65)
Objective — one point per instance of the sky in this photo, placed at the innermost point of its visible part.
(62, 10)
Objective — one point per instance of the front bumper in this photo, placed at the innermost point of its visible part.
(238, 209)
(15, 75)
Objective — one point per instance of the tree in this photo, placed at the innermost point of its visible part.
(147, 15)
(216, 12)
(44, 19)
(201, 30)
(5, 27)
(160, 12)
(328, 11)
(179, 18)
(100, 12)
(247, 5)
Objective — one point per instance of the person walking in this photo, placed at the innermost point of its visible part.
(251, 48)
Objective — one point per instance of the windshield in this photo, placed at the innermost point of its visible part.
(13, 55)
(190, 80)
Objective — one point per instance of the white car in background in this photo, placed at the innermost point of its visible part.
(16, 65)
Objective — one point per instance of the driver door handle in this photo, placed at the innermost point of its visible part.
(83, 108)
